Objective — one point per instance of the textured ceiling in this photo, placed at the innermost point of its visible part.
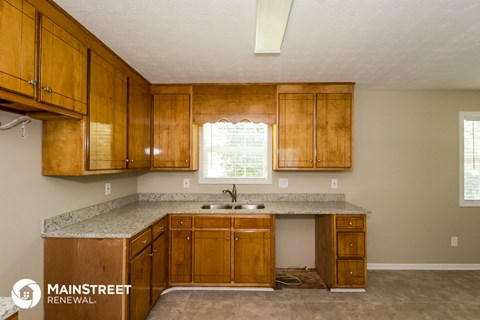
(379, 44)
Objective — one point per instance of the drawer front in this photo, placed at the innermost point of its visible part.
(140, 242)
(351, 244)
(253, 223)
(180, 222)
(212, 223)
(351, 222)
(351, 273)
(159, 228)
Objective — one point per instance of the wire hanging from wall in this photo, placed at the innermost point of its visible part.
(21, 120)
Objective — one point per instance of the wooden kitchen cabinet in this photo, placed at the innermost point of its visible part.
(314, 127)
(140, 280)
(139, 124)
(173, 121)
(63, 68)
(231, 250)
(17, 40)
(340, 250)
(159, 259)
(107, 116)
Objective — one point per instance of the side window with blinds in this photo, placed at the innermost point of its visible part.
(470, 159)
(235, 153)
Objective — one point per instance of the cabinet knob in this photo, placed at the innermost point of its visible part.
(47, 89)
(350, 223)
(181, 223)
(150, 254)
(351, 245)
(144, 241)
(236, 239)
(154, 250)
(186, 161)
(188, 238)
(319, 160)
(32, 82)
(311, 161)
(351, 273)
(228, 238)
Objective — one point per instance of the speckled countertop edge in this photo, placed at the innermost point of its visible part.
(126, 221)
(7, 307)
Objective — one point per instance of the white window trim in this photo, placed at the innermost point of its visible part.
(465, 116)
(268, 180)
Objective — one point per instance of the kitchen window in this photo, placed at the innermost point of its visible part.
(235, 153)
(470, 159)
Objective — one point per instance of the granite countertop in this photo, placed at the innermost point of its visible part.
(128, 220)
(7, 307)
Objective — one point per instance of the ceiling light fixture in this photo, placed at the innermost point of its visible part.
(272, 19)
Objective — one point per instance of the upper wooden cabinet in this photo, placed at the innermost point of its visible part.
(17, 40)
(107, 116)
(139, 124)
(63, 71)
(174, 134)
(314, 127)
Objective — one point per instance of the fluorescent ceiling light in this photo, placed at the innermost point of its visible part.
(272, 18)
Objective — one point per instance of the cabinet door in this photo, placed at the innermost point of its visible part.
(107, 116)
(140, 275)
(212, 257)
(159, 266)
(180, 256)
(334, 130)
(172, 135)
(253, 257)
(63, 68)
(17, 40)
(139, 113)
(351, 273)
(295, 131)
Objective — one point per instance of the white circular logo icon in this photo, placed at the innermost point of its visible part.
(26, 293)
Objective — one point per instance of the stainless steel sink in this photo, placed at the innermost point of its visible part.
(250, 206)
(245, 206)
(216, 206)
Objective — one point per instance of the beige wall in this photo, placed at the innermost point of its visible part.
(26, 197)
(406, 172)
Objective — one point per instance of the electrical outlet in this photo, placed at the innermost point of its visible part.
(186, 183)
(283, 182)
(334, 183)
(108, 188)
(454, 241)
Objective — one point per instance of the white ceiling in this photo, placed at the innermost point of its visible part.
(379, 44)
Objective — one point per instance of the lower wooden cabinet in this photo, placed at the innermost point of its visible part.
(140, 280)
(230, 250)
(340, 250)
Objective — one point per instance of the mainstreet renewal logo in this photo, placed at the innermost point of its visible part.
(26, 293)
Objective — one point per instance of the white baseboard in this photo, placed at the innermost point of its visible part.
(216, 289)
(423, 266)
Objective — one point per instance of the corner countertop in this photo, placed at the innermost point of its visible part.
(128, 220)
(7, 307)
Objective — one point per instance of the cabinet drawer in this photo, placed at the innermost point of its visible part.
(212, 222)
(351, 244)
(180, 222)
(140, 242)
(159, 228)
(351, 273)
(253, 223)
(350, 222)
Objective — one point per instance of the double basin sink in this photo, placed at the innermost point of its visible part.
(245, 206)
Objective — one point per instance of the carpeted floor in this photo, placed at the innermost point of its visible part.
(298, 279)
(391, 295)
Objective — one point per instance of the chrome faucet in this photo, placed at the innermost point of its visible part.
(232, 193)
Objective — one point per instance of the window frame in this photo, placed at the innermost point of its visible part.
(471, 115)
(267, 180)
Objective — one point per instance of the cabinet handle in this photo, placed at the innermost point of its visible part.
(47, 89)
(188, 238)
(350, 223)
(236, 239)
(154, 250)
(127, 161)
(228, 238)
(181, 223)
(150, 254)
(351, 273)
(32, 82)
(186, 161)
(311, 161)
(351, 245)
(144, 241)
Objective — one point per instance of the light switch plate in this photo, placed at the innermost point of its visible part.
(186, 183)
(108, 188)
(283, 182)
(334, 183)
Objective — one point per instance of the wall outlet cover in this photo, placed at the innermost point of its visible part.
(186, 183)
(283, 182)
